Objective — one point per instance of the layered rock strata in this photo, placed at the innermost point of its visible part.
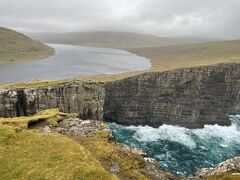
(189, 97)
(86, 99)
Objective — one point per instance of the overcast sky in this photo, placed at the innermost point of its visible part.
(200, 18)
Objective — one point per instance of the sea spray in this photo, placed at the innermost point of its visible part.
(180, 150)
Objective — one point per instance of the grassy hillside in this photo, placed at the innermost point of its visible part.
(192, 55)
(31, 154)
(15, 47)
(120, 40)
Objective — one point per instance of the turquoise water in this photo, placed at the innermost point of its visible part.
(180, 150)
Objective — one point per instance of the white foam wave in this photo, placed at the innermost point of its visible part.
(164, 132)
(226, 134)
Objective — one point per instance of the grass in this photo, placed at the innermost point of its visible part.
(85, 79)
(29, 154)
(16, 47)
(52, 116)
(192, 55)
(225, 176)
(108, 153)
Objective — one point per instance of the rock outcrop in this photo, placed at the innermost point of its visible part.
(86, 99)
(228, 167)
(189, 97)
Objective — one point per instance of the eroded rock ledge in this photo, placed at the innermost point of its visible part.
(189, 97)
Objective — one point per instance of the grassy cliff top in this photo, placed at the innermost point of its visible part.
(15, 47)
(33, 155)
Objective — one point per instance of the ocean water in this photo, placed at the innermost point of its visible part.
(180, 150)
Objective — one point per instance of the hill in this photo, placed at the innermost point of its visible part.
(15, 47)
(119, 40)
(191, 55)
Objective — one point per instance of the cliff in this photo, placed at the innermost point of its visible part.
(189, 97)
(86, 99)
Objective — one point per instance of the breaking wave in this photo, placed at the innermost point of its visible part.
(181, 150)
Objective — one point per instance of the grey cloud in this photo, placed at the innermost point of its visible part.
(207, 18)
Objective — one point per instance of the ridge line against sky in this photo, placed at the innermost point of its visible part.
(199, 18)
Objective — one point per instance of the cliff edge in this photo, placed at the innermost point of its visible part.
(190, 97)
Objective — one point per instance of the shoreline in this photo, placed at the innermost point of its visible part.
(163, 59)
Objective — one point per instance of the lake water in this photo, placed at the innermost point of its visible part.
(73, 61)
(180, 150)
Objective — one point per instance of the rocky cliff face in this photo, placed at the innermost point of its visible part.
(188, 97)
(86, 99)
(230, 168)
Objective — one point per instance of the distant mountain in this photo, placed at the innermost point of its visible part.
(120, 40)
(193, 40)
(15, 47)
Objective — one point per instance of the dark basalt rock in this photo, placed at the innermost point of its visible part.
(86, 99)
(189, 97)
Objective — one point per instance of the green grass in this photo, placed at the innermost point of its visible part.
(192, 55)
(52, 116)
(16, 47)
(108, 153)
(28, 154)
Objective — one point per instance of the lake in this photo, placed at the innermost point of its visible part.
(73, 61)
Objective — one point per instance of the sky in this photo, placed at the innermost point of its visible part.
(188, 18)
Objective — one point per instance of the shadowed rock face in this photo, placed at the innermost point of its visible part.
(188, 97)
(86, 99)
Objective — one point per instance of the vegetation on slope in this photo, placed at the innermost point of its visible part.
(31, 154)
(51, 116)
(15, 47)
(110, 155)
(28, 154)
(192, 55)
